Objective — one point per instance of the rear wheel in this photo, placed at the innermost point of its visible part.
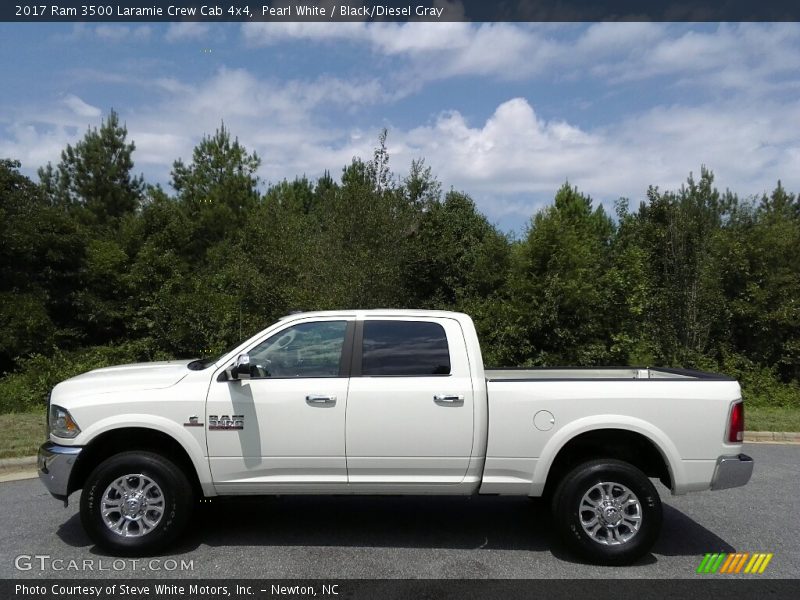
(607, 511)
(135, 503)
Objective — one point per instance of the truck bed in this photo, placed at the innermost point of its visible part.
(533, 412)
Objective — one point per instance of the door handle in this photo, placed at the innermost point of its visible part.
(315, 400)
(448, 399)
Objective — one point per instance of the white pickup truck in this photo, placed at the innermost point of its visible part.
(388, 402)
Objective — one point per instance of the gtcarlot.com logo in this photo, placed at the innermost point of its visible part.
(45, 562)
(736, 563)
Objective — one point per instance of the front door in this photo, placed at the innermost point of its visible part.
(284, 427)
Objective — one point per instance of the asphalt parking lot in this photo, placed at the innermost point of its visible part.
(411, 537)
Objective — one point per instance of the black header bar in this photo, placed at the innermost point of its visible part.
(697, 588)
(399, 10)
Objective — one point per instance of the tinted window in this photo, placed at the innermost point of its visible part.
(404, 348)
(306, 350)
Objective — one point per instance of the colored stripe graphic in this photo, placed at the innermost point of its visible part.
(764, 564)
(741, 561)
(722, 562)
(752, 562)
(727, 564)
(711, 562)
(718, 562)
(757, 563)
(703, 564)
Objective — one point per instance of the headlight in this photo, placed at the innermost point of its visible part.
(62, 424)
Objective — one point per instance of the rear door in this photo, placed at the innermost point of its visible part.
(410, 404)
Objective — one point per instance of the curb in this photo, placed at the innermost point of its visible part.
(14, 469)
(17, 464)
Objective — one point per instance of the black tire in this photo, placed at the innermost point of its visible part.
(606, 547)
(177, 501)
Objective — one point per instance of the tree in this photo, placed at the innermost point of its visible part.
(94, 184)
(96, 175)
(558, 290)
(421, 188)
(378, 169)
(40, 258)
(457, 255)
(762, 282)
(681, 235)
(217, 189)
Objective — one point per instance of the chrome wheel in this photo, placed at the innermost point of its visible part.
(132, 505)
(610, 514)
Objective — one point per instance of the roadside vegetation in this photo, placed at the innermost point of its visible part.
(23, 433)
(98, 267)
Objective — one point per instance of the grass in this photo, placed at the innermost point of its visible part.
(23, 433)
(768, 418)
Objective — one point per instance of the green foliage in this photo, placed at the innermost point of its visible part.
(95, 176)
(764, 418)
(455, 254)
(679, 234)
(558, 288)
(23, 433)
(40, 257)
(761, 385)
(24, 324)
(216, 191)
(96, 267)
(763, 282)
(28, 389)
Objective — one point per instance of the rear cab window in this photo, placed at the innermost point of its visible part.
(404, 348)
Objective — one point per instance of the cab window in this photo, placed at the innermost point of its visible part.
(304, 350)
(410, 348)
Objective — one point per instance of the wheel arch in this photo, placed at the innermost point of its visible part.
(626, 442)
(127, 439)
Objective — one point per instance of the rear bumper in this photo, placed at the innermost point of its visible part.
(55, 466)
(732, 471)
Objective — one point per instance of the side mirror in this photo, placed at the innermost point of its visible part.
(240, 369)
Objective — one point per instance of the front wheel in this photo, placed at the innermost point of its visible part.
(135, 503)
(608, 512)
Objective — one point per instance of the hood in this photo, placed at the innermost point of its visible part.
(136, 376)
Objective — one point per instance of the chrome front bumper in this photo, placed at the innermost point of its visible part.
(55, 465)
(732, 471)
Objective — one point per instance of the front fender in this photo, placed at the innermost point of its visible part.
(194, 448)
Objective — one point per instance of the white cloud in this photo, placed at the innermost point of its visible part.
(106, 32)
(728, 55)
(120, 33)
(447, 49)
(515, 153)
(81, 108)
(35, 145)
(237, 93)
(187, 30)
(741, 56)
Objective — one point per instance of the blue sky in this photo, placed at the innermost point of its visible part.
(505, 112)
